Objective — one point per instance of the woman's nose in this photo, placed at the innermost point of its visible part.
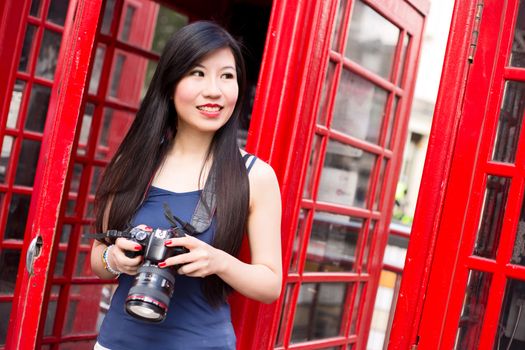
(212, 88)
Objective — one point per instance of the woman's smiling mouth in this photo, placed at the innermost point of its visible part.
(210, 107)
(210, 110)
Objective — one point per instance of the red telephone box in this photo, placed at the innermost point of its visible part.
(332, 94)
(339, 170)
(468, 238)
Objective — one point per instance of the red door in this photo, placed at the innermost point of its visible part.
(85, 123)
(36, 150)
(476, 287)
(331, 117)
(124, 50)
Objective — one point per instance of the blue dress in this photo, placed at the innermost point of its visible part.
(191, 323)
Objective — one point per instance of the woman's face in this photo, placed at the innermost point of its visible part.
(206, 96)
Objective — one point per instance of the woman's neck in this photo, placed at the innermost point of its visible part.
(191, 144)
(188, 153)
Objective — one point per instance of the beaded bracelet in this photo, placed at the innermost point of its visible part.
(105, 262)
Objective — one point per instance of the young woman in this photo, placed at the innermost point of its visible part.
(186, 131)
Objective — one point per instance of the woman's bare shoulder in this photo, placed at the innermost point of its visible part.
(261, 172)
(262, 177)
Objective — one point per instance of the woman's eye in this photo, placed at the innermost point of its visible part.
(197, 73)
(228, 76)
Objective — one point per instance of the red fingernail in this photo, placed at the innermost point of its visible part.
(147, 228)
(168, 242)
(137, 247)
(162, 264)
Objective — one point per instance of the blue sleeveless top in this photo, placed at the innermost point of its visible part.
(191, 323)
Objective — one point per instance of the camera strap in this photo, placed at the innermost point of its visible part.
(205, 209)
(111, 234)
(175, 221)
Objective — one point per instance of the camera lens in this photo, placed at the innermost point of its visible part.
(149, 296)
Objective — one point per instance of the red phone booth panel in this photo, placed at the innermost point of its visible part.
(129, 40)
(23, 118)
(474, 298)
(125, 54)
(339, 165)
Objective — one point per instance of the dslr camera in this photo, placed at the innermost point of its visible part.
(149, 296)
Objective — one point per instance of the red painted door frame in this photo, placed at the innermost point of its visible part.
(471, 162)
(434, 179)
(63, 113)
(440, 252)
(274, 136)
(12, 34)
(281, 131)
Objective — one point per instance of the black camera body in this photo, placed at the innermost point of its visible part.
(149, 296)
(152, 243)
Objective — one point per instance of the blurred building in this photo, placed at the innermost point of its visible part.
(425, 95)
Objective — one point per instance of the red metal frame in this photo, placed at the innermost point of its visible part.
(498, 32)
(124, 105)
(50, 178)
(293, 141)
(74, 250)
(434, 180)
(284, 56)
(449, 217)
(12, 31)
(411, 22)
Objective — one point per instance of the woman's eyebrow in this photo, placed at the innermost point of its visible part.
(198, 65)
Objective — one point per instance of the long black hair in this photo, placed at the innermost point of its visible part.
(128, 175)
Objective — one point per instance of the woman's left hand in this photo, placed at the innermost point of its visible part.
(201, 261)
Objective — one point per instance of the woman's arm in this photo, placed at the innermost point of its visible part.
(97, 249)
(261, 279)
(97, 266)
(116, 257)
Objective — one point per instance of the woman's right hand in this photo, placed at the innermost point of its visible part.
(118, 260)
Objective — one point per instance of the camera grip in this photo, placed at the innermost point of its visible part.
(132, 254)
